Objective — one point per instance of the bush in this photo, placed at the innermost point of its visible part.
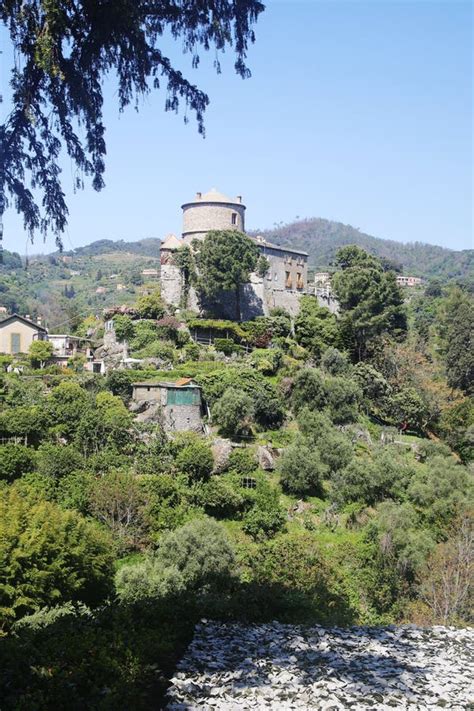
(242, 461)
(63, 557)
(233, 412)
(124, 327)
(343, 399)
(266, 517)
(227, 346)
(15, 460)
(219, 497)
(301, 470)
(308, 390)
(56, 460)
(151, 305)
(193, 456)
(194, 558)
(334, 362)
(334, 447)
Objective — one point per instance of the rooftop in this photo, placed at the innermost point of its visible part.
(171, 242)
(214, 195)
(180, 383)
(263, 242)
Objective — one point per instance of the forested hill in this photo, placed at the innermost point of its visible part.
(322, 238)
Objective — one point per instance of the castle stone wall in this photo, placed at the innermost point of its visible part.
(201, 217)
(171, 283)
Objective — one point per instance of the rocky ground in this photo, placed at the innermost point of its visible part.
(276, 666)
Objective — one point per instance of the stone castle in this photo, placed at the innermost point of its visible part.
(282, 285)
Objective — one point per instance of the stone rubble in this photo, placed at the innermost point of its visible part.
(281, 667)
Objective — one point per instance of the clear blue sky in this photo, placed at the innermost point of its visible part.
(356, 111)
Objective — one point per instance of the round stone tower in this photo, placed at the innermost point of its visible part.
(212, 211)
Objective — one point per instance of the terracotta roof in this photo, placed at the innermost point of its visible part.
(183, 381)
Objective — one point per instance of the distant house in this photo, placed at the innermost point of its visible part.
(150, 273)
(408, 281)
(17, 333)
(181, 403)
(3, 310)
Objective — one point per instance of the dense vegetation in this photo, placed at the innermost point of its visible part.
(322, 238)
(334, 486)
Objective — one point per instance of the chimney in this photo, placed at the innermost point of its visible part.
(38, 321)
(28, 317)
(239, 198)
(198, 196)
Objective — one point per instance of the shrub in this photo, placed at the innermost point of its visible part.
(233, 412)
(15, 460)
(308, 390)
(334, 362)
(124, 327)
(242, 461)
(57, 460)
(266, 517)
(343, 399)
(193, 456)
(219, 497)
(334, 447)
(194, 558)
(227, 346)
(63, 557)
(301, 469)
(151, 305)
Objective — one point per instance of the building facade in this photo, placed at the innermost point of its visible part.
(282, 285)
(17, 333)
(179, 403)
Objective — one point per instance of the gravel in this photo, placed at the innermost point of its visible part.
(277, 666)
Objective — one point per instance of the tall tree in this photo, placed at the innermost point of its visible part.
(62, 52)
(225, 259)
(370, 300)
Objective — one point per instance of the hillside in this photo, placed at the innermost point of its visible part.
(322, 238)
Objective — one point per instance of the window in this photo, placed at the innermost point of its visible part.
(299, 281)
(288, 281)
(248, 482)
(15, 343)
(234, 218)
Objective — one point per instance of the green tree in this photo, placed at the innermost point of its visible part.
(49, 556)
(308, 390)
(58, 77)
(15, 460)
(408, 410)
(233, 412)
(56, 460)
(371, 302)
(225, 260)
(124, 327)
(194, 558)
(459, 318)
(457, 428)
(151, 305)
(40, 352)
(193, 456)
(315, 326)
(301, 469)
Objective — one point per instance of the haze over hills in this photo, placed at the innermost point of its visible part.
(321, 239)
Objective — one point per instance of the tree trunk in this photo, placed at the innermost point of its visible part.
(237, 302)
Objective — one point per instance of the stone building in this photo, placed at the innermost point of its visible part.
(282, 285)
(178, 405)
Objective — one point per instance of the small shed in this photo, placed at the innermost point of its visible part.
(180, 401)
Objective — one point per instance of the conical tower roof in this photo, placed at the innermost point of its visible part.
(171, 242)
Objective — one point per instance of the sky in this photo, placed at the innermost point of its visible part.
(359, 112)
